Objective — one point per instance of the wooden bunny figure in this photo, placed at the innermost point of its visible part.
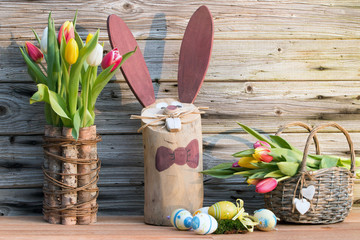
(171, 128)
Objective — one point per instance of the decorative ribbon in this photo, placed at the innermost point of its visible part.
(189, 155)
(246, 220)
(179, 113)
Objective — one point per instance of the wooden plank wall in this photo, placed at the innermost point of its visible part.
(273, 62)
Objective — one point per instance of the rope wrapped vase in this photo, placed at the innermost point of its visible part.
(315, 197)
(172, 159)
(71, 171)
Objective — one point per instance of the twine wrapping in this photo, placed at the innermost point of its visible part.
(80, 209)
(179, 113)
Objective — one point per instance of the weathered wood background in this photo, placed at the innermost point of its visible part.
(273, 62)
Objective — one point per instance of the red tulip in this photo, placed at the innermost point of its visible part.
(261, 144)
(35, 54)
(113, 57)
(266, 185)
(261, 154)
(68, 28)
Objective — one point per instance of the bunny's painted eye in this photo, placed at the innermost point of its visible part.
(178, 104)
(161, 105)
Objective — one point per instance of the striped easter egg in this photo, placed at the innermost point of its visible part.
(223, 210)
(181, 219)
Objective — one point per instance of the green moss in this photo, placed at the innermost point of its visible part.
(229, 226)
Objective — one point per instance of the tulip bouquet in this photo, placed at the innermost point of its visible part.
(70, 63)
(272, 160)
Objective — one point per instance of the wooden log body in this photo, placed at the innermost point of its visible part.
(87, 174)
(172, 165)
(53, 165)
(69, 199)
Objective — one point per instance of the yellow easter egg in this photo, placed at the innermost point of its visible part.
(223, 210)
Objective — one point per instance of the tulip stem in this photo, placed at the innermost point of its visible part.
(283, 178)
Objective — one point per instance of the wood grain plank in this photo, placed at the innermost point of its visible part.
(265, 105)
(168, 18)
(231, 60)
(128, 228)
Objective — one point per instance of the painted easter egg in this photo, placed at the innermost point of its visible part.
(204, 223)
(201, 210)
(181, 219)
(267, 219)
(223, 210)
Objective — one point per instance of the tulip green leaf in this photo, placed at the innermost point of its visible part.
(245, 153)
(329, 162)
(260, 174)
(288, 168)
(36, 36)
(274, 174)
(76, 125)
(219, 173)
(56, 102)
(281, 142)
(222, 166)
(286, 154)
(34, 67)
(257, 135)
(76, 70)
(104, 77)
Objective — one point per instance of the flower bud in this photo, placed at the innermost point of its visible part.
(71, 51)
(95, 57)
(261, 154)
(44, 40)
(246, 162)
(113, 57)
(253, 181)
(235, 164)
(34, 53)
(261, 144)
(68, 28)
(266, 185)
(89, 37)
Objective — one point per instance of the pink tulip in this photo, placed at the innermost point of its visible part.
(34, 53)
(68, 28)
(261, 154)
(235, 164)
(261, 144)
(266, 185)
(113, 57)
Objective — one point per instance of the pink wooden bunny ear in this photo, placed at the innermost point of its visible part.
(134, 69)
(195, 54)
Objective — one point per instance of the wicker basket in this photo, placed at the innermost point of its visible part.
(332, 200)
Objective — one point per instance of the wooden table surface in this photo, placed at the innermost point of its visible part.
(133, 228)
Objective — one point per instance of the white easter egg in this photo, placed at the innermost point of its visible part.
(204, 223)
(201, 210)
(267, 219)
(181, 219)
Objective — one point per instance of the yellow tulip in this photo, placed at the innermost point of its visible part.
(246, 162)
(71, 51)
(88, 38)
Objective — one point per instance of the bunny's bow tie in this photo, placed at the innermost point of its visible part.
(189, 155)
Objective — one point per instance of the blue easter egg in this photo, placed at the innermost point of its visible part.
(267, 219)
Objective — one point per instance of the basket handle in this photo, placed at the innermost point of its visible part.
(312, 134)
(304, 125)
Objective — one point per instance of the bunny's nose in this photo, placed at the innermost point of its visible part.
(170, 109)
